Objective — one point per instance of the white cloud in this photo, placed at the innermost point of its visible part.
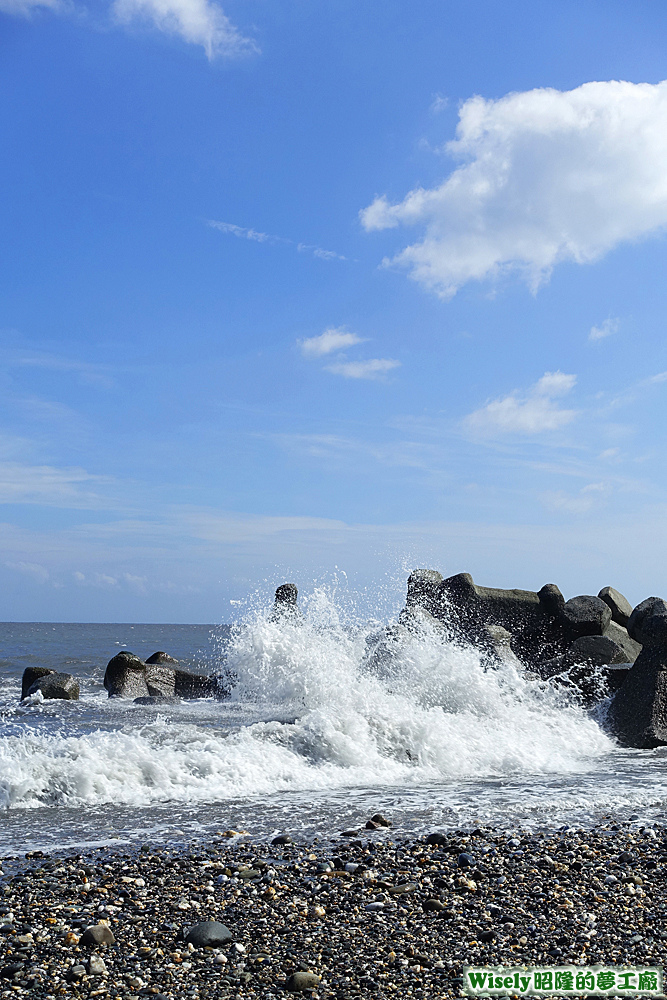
(548, 176)
(604, 330)
(532, 412)
(241, 232)
(245, 234)
(200, 22)
(335, 338)
(585, 500)
(373, 369)
(45, 484)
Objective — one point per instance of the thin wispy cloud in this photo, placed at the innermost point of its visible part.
(333, 339)
(439, 103)
(591, 496)
(34, 570)
(246, 234)
(534, 412)
(375, 369)
(50, 486)
(604, 330)
(24, 8)
(241, 232)
(199, 22)
(547, 176)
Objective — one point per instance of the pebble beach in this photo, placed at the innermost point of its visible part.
(364, 914)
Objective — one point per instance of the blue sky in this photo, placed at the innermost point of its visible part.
(324, 290)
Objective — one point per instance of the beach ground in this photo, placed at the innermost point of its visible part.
(370, 915)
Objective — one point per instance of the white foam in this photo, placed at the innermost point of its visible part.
(436, 714)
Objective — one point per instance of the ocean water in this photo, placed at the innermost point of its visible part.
(312, 741)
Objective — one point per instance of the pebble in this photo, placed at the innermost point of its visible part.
(97, 935)
(300, 981)
(210, 934)
(96, 966)
(386, 919)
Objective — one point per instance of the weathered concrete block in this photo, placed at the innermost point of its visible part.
(57, 686)
(621, 609)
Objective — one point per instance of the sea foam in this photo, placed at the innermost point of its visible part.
(307, 712)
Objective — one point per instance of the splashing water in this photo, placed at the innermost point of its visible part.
(311, 714)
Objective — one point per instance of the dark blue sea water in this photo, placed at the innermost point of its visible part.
(311, 742)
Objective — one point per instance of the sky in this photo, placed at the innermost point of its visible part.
(321, 291)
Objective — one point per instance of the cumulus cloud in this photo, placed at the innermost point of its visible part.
(200, 22)
(533, 412)
(546, 176)
(604, 330)
(373, 369)
(335, 338)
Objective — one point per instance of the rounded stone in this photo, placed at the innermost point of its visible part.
(300, 982)
(209, 934)
(97, 935)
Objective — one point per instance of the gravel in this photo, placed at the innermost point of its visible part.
(374, 916)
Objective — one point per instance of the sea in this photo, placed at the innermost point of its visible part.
(314, 739)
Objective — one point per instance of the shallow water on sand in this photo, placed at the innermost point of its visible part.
(312, 741)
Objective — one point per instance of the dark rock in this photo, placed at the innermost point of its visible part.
(615, 675)
(54, 685)
(188, 685)
(596, 649)
(551, 599)
(97, 935)
(380, 820)
(125, 676)
(586, 615)
(300, 982)
(162, 657)
(424, 590)
(465, 860)
(652, 607)
(534, 620)
(371, 825)
(129, 677)
(160, 679)
(281, 840)
(436, 839)
(497, 642)
(157, 699)
(638, 710)
(209, 934)
(621, 609)
(285, 606)
(486, 936)
(30, 675)
(620, 636)
(434, 906)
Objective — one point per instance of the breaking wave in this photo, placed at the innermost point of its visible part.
(309, 711)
